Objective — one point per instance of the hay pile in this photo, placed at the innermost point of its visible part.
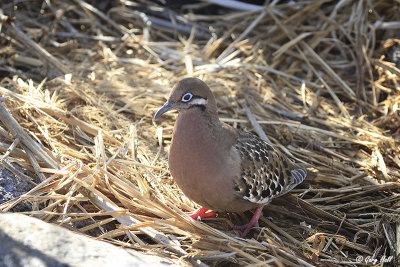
(83, 81)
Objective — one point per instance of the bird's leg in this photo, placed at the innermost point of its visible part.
(201, 213)
(253, 222)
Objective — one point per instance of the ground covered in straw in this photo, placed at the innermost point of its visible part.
(81, 82)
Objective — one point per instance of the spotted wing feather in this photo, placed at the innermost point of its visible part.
(265, 172)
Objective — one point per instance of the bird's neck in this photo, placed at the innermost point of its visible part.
(198, 116)
(197, 123)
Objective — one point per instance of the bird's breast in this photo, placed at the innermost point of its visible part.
(203, 170)
(194, 153)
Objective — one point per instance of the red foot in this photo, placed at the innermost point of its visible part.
(201, 213)
(253, 222)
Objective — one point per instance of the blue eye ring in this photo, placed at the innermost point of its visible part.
(187, 97)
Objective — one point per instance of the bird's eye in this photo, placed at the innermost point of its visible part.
(187, 97)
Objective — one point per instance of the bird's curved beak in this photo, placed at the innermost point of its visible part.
(167, 106)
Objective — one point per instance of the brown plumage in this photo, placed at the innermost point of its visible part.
(217, 166)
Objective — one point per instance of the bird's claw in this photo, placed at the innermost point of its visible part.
(245, 228)
(253, 223)
(201, 213)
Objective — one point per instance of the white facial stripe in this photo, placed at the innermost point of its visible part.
(198, 101)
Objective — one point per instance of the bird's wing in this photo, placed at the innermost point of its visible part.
(265, 172)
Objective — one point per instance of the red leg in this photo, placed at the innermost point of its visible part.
(253, 222)
(201, 213)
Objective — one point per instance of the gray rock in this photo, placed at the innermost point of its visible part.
(12, 187)
(26, 241)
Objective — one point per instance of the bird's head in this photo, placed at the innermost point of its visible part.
(189, 93)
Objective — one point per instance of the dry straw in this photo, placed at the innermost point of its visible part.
(80, 85)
